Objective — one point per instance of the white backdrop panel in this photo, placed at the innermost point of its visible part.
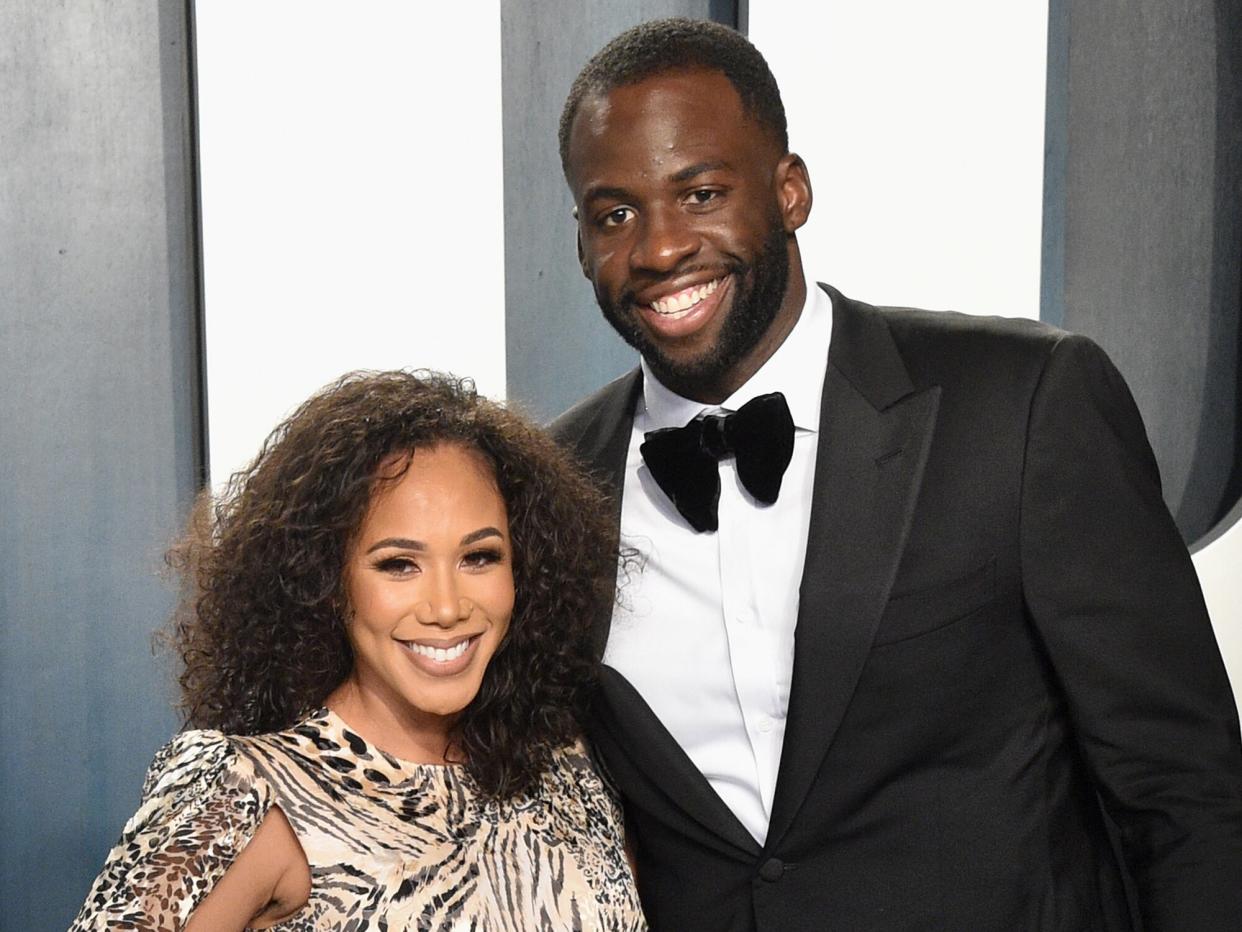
(1219, 565)
(352, 201)
(922, 125)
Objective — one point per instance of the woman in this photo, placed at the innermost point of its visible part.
(386, 632)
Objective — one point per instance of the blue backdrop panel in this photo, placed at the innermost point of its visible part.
(1143, 223)
(558, 347)
(98, 426)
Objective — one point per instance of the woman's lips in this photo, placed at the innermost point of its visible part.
(442, 661)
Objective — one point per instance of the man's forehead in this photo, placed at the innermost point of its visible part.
(667, 114)
(695, 89)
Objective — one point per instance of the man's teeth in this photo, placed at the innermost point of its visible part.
(439, 654)
(684, 300)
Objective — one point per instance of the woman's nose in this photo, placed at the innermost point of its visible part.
(445, 605)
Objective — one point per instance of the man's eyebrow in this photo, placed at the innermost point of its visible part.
(602, 193)
(680, 176)
(698, 168)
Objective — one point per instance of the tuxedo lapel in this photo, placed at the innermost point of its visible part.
(875, 432)
(641, 739)
(605, 438)
(599, 431)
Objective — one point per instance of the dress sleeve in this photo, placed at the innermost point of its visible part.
(201, 805)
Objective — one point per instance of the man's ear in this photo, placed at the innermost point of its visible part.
(793, 191)
(582, 263)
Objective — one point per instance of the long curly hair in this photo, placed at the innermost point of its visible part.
(260, 628)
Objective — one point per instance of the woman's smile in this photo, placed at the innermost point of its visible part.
(429, 579)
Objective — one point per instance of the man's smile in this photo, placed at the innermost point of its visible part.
(680, 314)
(680, 303)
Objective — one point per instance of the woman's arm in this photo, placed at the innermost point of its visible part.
(267, 883)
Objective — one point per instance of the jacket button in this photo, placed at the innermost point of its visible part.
(771, 870)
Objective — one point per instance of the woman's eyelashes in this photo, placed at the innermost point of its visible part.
(404, 565)
(396, 565)
(484, 557)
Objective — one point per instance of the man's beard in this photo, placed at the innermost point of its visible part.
(752, 312)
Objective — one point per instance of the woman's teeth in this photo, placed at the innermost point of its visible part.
(676, 305)
(439, 654)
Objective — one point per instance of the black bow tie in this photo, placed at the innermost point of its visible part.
(683, 460)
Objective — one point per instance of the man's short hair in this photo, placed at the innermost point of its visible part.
(679, 44)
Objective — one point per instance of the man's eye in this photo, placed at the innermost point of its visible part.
(616, 217)
(703, 196)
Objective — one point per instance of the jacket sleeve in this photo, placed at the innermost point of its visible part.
(201, 804)
(1113, 592)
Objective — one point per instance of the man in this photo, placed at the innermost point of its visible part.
(922, 609)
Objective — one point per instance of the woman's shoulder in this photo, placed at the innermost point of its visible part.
(574, 764)
(192, 757)
(201, 785)
(578, 787)
(201, 804)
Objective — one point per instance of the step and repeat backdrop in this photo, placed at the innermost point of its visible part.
(379, 188)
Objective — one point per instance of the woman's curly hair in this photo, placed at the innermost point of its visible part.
(261, 626)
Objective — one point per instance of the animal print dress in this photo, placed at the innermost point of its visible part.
(392, 845)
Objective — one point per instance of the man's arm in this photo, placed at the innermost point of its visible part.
(1114, 595)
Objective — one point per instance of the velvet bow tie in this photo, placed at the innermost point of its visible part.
(683, 460)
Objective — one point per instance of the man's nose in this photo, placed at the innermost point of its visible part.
(664, 240)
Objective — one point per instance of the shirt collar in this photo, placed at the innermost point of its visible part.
(796, 370)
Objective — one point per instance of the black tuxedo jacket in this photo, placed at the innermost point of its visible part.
(999, 629)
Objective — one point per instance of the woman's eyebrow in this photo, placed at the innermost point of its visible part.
(481, 533)
(408, 543)
(405, 543)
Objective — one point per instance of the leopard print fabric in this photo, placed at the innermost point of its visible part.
(391, 845)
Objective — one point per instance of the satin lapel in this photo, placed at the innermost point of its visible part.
(600, 430)
(875, 432)
(606, 440)
(642, 738)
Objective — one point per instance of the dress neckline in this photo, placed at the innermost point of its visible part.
(330, 725)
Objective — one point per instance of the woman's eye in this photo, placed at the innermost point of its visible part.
(481, 558)
(397, 566)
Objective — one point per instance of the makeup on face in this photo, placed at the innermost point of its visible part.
(429, 579)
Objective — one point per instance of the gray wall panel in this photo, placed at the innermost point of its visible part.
(98, 424)
(558, 345)
(1152, 225)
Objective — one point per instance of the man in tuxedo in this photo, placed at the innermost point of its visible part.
(906, 614)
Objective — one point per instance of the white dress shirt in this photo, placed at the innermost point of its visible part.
(704, 628)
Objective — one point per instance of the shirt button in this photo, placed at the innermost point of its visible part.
(771, 870)
(765, 724)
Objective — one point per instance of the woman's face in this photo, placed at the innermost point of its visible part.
(430, 584)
